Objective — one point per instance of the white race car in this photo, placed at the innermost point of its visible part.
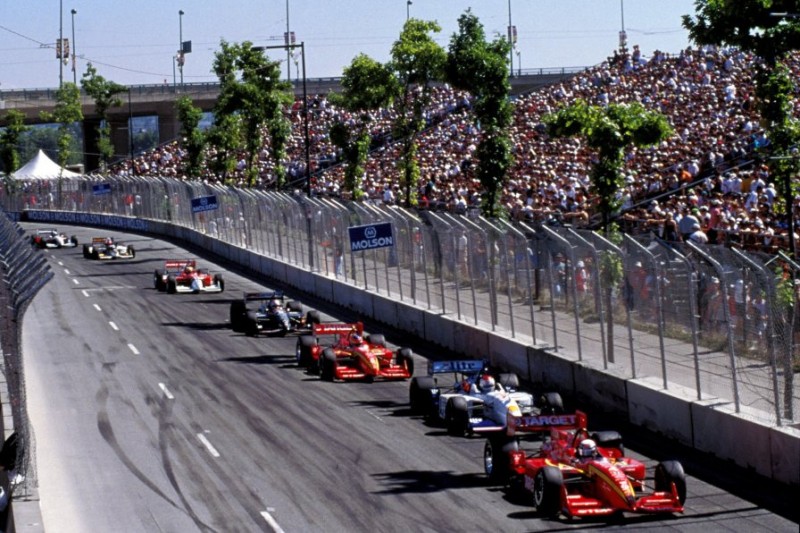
(107, 248)
(477, 401)
(51, 238)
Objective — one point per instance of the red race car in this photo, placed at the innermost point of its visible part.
(350, 356)
(580, 474)
(182, 275)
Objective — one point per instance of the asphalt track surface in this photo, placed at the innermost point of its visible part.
(150, 414)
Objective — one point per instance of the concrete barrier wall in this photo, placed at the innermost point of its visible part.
(708, 425)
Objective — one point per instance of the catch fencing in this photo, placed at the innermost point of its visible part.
(718, 322)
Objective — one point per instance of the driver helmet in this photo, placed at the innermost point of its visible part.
(486, 383)
(587, 449)
(189, 269)
(109, 241)
(355, 338)
(273, 305)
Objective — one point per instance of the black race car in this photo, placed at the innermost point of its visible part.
(274, 315)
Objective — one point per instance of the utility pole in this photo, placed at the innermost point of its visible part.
(60, 52)
(74, 50)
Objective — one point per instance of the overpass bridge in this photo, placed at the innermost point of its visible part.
(159, 100)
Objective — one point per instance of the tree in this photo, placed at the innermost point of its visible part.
(752, 25)
(609, 131)
(104, 93)
(192, 137)
(417, 61)
(67, 112)
(366, 85)
(251, 90)
(10, 139)
(480, 67)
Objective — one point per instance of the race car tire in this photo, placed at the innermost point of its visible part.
(376, 339)
(73, 240)
(547, 491)
(86, 253)
(312, 317)
(420, 395)
(158, 281)
(131, 252)
(495, 458)
(172, 285)
(238, 313)
(251, 324)
(609, 439)
(669, 472)
(405, 358)
(95, 253)
(292, 305)
(457, 416)
(305, 344)
(327, 365)
(509, 381)
(219, 282)
(550, 403)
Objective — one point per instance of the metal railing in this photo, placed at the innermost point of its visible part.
(708, 319)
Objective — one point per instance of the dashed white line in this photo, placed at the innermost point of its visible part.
(133, 349)
(85, 293)
(75, 281)
(115, 327)
(213, 451)
(66, 272)
(167, 393)
(271, 521)
(61, 264)
(97, 307)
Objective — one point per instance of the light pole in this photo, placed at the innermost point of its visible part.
(288, 41)
(74, 51)
(519, 63)
(60, 43)
(510, 42)
(180, 44)
(408, 8)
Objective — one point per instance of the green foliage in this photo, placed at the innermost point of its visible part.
(609, 130)
(193, 138)
(67, 111)
(417, 61)
(252, 98)
(479, 67)
(14, 128)
(104, 93)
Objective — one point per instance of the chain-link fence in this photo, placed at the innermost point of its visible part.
(711, 319)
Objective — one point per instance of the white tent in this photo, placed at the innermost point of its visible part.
(42, 167)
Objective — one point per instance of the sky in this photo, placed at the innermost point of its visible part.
(134, 42)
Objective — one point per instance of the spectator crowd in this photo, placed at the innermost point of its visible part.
(704, 184)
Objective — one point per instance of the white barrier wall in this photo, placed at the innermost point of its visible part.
(709, 425)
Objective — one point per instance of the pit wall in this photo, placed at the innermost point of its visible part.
(708, 425)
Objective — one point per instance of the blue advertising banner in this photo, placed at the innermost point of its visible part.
(101, 188)
(204, 203)
(370, 236)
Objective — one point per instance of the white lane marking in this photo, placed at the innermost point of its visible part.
(85, 293)
(61, 264)
(97, 307)
(271, 521)
(374, 415)
(167, 393)
(114, 327)
(66, 272)
(213, 451)
(133, 349)
(75, 281)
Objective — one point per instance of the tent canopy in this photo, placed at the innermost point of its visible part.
(42, 167)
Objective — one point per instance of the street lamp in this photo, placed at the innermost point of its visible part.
(290, 48)
(180, 44)
(288, 41)
(408, 8)
(60, 43)
(74, 69)
(511, 42)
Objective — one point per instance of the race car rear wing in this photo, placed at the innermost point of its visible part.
(176, 265)
(541, 423)
(43, 231)
(331, 328)
(99, 240)
(274, 295)
(467, 366)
